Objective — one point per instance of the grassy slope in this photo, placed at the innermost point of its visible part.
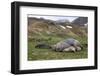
(48, 54)
(58, 34)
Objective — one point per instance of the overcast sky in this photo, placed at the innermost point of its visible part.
(70, 18)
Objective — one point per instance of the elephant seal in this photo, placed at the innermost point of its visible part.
(60, 46)
(71, 48)
(67, 45)
(43, 46)
(75, 43)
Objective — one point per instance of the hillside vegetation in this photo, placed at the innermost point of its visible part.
(51, 32)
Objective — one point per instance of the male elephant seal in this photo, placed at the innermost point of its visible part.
(75, 43)
(60, 46)
(67, 45)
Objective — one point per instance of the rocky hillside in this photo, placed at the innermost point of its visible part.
(81, 21)
(43, 28)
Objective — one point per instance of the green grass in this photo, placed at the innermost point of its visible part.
(48, 54)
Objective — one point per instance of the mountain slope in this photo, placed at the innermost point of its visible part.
(47, 28)
(80, 21)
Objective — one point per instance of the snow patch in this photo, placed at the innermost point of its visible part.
(62, 27)
(69, 26)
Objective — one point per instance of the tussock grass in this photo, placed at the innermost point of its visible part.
(48, 54)
(40, 31)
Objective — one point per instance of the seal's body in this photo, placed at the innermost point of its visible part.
(71, 48)
(68, 45)
(60, 46)
(43, 46)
